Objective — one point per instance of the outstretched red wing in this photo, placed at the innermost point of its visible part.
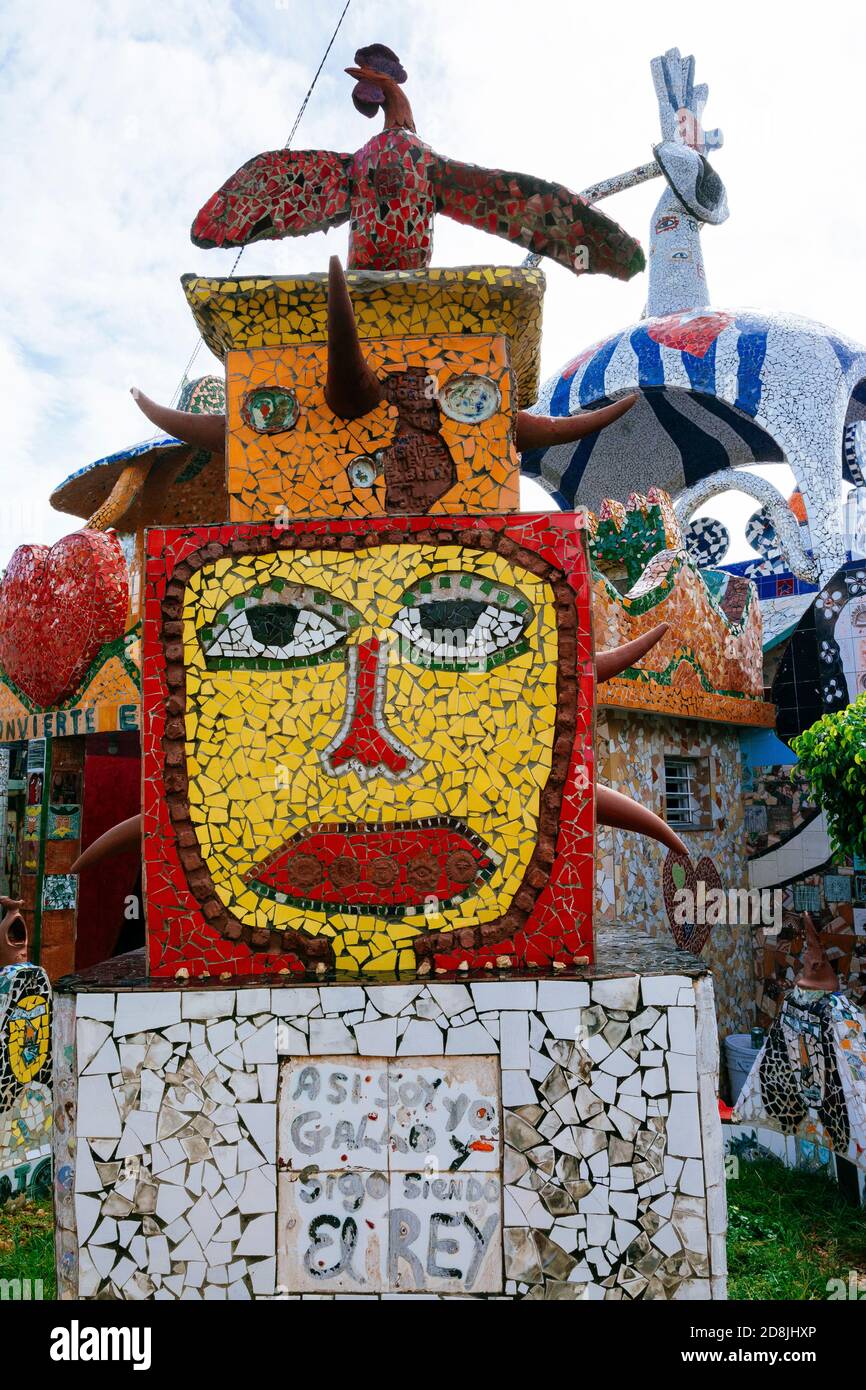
(276, 194)
(543, 217)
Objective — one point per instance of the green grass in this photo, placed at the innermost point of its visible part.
(27, 1242)
(789, 1233)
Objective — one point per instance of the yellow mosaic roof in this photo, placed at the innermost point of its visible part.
(257, 312)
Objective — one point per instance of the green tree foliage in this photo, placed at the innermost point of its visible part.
(833, 763)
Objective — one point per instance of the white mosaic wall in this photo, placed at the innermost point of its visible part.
(519, 1139)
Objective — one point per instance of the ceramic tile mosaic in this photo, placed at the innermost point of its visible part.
(750, 1142)
(439, 441)
(778, 956)
(809, 1078)
(709, 665)
(25, 1081)
(390, 190)
(819, 669)
(250, 313)
(777, 803)
(368, 745)
(630, 883)
(58, 608)
(64, 823)
(707, 541)
(824, 666)
(59, 891)
(493, 1138)
(106, 699)
(175, 483)
(718, 388)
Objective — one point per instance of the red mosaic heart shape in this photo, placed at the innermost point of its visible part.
(58, 607)
(688, 333)
(680, 874)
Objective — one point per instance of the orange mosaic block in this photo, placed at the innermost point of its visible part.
(256, 313)
(322, 465)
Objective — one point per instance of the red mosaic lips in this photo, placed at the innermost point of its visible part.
(386, 868)
(58, 608)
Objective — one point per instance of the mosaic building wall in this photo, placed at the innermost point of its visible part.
(25, 1081)
(631, 750)
(822, 669)
(708, 665)
(556, 1139)
(61, 686)
(688, 698)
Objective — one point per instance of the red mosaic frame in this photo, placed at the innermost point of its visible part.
(557, 927)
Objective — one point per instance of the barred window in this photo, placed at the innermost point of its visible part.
(687, 793)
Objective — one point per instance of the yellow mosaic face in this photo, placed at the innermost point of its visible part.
(28, 1036)
(368, 733)
(441, 442)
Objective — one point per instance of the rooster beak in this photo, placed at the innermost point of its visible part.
(367, 75)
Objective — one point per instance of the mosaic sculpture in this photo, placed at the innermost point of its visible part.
(809, 1078)
(25, 1080)
(75, 597)
(391, 189)
(404, 646)
(368, 698)
(392, 413)
(385, 823)
(718, 388)
(159, 481)
(707, 665)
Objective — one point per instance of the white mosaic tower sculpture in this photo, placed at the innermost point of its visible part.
(719, 389)
(693, 192)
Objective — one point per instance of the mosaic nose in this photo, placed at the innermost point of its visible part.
(364, 744)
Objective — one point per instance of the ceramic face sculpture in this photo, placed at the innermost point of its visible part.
(373, 732)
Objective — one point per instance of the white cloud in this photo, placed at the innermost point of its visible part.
(119, 120)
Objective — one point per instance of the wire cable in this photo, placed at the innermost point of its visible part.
(292, 133)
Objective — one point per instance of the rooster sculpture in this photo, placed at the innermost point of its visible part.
(391, 189)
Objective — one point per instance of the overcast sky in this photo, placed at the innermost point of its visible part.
(120, 119)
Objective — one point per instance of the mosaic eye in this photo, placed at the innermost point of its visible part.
(470, 399)
(283, 625)
(462, 622)
(270, 409)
